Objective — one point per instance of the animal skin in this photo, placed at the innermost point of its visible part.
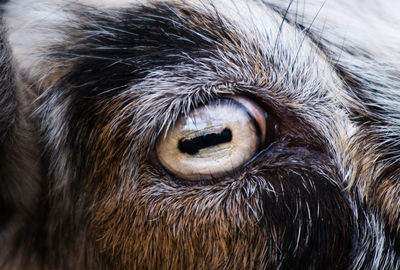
(92, 175)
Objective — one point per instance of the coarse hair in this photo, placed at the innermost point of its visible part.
(105, 81)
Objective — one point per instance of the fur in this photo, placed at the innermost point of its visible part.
(106, 79)
(19, 166)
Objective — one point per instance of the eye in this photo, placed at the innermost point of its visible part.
(213, 139)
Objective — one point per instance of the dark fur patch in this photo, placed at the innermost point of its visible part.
(18, 170)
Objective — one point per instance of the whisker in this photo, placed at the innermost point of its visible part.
(341, 49)
(307, 30)
(281, 26)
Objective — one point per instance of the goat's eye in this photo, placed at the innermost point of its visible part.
(213, 139)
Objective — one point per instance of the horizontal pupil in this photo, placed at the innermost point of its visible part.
(194, 145)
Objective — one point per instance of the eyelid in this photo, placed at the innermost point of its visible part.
(257, 113)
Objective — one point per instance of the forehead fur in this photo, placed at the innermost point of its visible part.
(37, 28)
